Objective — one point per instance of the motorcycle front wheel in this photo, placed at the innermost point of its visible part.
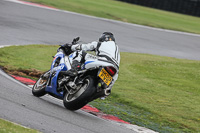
(75, 101)
(38, 89)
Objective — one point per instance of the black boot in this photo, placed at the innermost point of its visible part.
(76, 66)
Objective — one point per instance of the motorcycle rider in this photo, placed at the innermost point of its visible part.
(106, 49)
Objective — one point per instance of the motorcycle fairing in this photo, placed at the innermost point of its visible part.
(54, 74)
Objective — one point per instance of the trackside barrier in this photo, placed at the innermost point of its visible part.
(189, 7)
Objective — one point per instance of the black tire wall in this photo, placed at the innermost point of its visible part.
(189, 7)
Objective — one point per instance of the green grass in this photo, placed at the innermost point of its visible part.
(27, 57)
(160, 93)
(157, 92)
(9, 127)
(131, 13)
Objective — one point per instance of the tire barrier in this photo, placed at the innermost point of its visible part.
(189, 7)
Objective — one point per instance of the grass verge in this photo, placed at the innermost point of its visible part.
(160, 93)
(9, 127)
(131, 13)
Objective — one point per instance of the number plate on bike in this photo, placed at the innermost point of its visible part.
(105, 76)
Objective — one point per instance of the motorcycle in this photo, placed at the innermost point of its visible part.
(76, 92)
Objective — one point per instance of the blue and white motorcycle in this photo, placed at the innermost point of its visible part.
(76, 92)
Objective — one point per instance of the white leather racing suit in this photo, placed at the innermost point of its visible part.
(107, 50)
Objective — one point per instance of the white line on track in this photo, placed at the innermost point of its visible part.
(135, 25)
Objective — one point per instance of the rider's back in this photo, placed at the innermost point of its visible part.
(109, 49)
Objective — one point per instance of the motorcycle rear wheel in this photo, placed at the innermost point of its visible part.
(81, 97)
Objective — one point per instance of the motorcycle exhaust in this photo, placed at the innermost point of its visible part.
(107, 91)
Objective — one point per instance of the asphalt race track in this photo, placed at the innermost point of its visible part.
(47, 114)
(21, 24)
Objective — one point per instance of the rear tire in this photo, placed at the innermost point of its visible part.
(81, 97)
(38, 89)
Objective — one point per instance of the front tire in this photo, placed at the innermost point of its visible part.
(38, 89)
(81, 97)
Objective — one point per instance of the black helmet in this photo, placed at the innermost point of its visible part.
(106, 36)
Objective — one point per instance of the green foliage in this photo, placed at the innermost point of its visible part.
(160, 93)
(131, 13)
(9, 127)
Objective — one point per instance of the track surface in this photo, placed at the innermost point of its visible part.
(47, 114)
(22, 24)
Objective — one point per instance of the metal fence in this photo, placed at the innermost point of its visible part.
(189, 7)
